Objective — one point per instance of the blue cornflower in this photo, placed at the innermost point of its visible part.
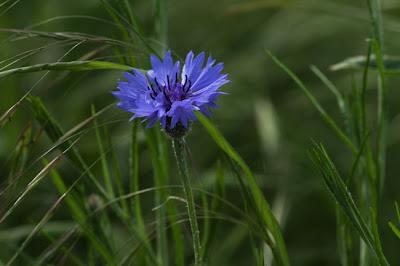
(170, 94)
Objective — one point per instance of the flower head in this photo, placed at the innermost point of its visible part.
(169, 93)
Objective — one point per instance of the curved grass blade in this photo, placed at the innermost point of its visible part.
(67, 66)
(76, 36)
(328, 119)
(391, 64)
(339, 96)
(261, 205)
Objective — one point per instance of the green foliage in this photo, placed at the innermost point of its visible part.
(83, 186)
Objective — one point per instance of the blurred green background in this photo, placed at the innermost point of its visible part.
(265, 116)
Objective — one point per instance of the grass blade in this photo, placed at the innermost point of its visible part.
(395, 229)
(391, 63)
(261, 204)
(316, 104)
(382, 118)
(67, 66)
(104, 163)
(344, 198)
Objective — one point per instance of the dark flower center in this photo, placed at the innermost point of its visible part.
(172, 91)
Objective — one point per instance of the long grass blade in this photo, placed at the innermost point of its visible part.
(261, 204)
(67, 66)
(344, 198)
(317, 105)
(104, 162)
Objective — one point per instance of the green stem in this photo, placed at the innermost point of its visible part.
(180, 155)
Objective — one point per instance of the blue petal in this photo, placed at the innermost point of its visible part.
(192, 68)
(153, 118)
(162, 70)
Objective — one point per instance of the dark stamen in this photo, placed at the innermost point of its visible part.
(166, 97)
(152, 89)
(168, 82)
(188, 88)
(158, 85)
(176, 78)
(151, 96)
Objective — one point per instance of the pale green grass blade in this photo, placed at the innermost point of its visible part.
(339, 97)
(391, 63)
(67, 66)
